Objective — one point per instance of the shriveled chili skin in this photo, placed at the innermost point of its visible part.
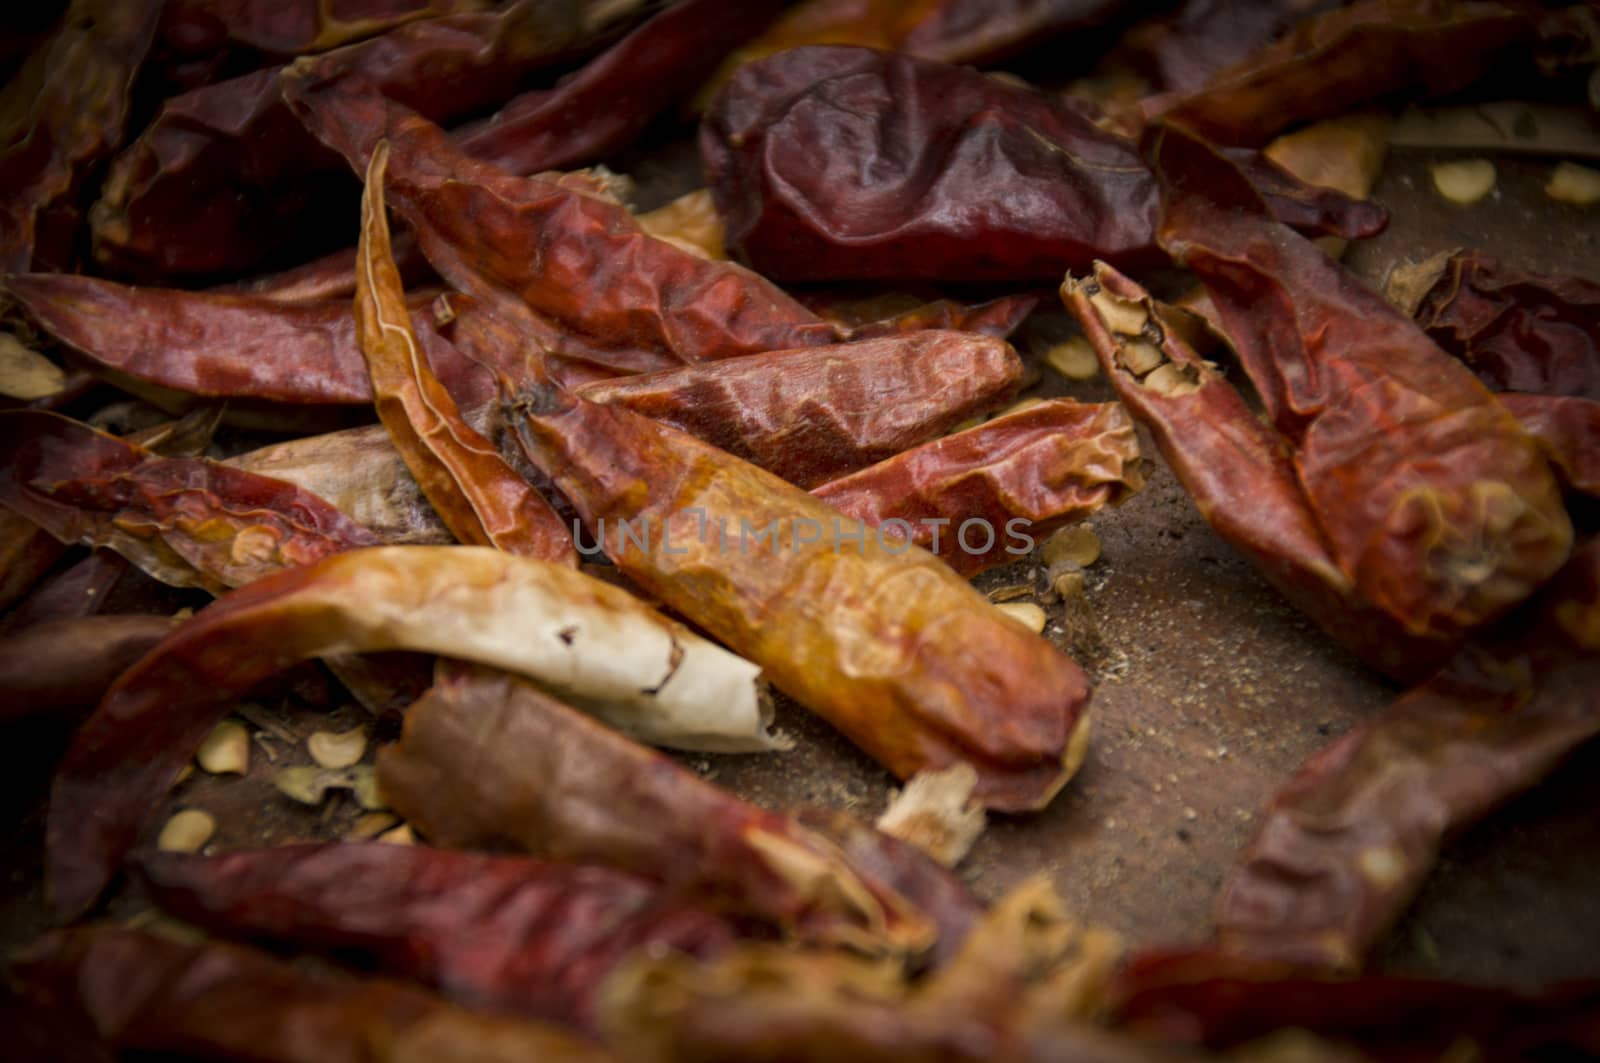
(1568, 428)
(887, 644)
(834, 163)
(216, 525)
(68, 664)
(603, 107)
(1181, 51)
(813, 414)
(1518, 331)
(106, 991)
(541, 248)
(486, 759)
(996, 317)
(1022, 475)
(1333, 62)
(76, 591)
(1243, 480)
(1436, 505)
(194, 31)
(1348, 841)
(483, 500)
(27, 552)
(237, 346)
(333, 276)
(62, 113)
(1200, 996)
(224, 175)
(501, 933)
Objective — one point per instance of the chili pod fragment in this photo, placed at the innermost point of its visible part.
(188, 522)
(68, 664)
(483, 500)
(812, 414)
(642, 672)
(995, 490)
(106, 990)
(887, 644)
(486, 759)
(1568, 428)
(502, 933)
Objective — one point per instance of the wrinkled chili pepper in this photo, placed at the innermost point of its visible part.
(27, 553)
(68, 664)
(1518, 331)
(996, 317)
(62, 113)
(480, 497)
(1569, 431)
(812, 414)
(224, 175)
(1015, 480)
(1334, 62)
(76, 592)
(531, 247)
(1221, 1001)
(642, 672)
(1348, 841)
(1392, 498)
(909, 661)
(842, 163)
(1180, 51)
(333, 276)
(501, 933)
(235, 346)
(186, 521)
(105, 991)
(602, 108)
(486, 759)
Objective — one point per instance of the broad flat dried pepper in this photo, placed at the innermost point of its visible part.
(68, 664)
(60, 114)
(1569, 431)
(500, 933)
(1348, 841)
(1181, 51)
(237, 346)
(486, 759)
(990, 493)
(107, 991)
(881, 639)
(186, 521)
(531, 247)
(76, 591)
(225, 175)
(333, 276)
(483, 500)
(812, 414)
(642, 672)
(1336, 61)
(841, 163)
(1518, 331)
(602, 108)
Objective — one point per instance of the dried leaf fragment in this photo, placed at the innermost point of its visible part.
(936, 813)
(26, 374)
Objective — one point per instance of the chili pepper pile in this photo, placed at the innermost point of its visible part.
(346, 378)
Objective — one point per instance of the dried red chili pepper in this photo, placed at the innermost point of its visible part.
(909, 661)
(531, 247)
(27, 552)
(68, 664)
(812, 414)
(639, 670)
(1333, 62)
(333, 276)
(192, 30)
(480, 497)
(843, 163)
(500, 933)
(1181, 51)
(1569, 431)
(63, 112)
(996, 317)
(1222, 1001)
(1348, 841)
(1518, 331)
(225, 175)
(75, 592)
(1016, 479)
(234, 346)
(602, 108)
(186, 521)
(486, 759)
(106, 991)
